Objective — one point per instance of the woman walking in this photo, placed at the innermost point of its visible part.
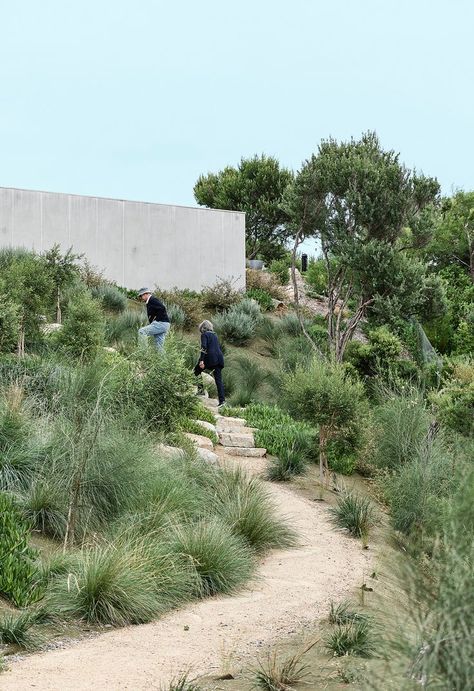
(211, 358)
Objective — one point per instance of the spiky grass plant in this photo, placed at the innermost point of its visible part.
(280, 675)
(354, 513)
(344, 614)
(248, 377)
(109, 584)
(221, 559)
(44, 508)
(182, 683)
(245, 505)
(292, 459)
(123, 327)
(15, 629)
(270, 331)
(355, 638)
(176, 314)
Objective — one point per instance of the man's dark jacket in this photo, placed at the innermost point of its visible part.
(211, 352)
(156, 310)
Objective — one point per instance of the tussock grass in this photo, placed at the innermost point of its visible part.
(182, 683)
(246, 507)
(291, 460)
(352, 639)
(110, 297)
(280, 675)
(354, 513)
(221, 559)
(109, 584)
(122, 329)
(247, 379)
(15, 629)
(44, 507)
(344, 614)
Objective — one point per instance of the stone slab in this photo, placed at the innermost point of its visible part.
(207, 425)
(250, 453)
(166, 451)
(235, 439)
(198, 440)
(207, 455)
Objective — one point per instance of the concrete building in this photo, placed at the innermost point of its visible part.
(133, 243)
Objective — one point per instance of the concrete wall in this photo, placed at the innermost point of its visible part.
(133, 243)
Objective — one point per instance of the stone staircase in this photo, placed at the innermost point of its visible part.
(234, 436)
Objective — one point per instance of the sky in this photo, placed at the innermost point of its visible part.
(134, 100)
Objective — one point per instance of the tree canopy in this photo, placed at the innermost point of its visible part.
(256, 186)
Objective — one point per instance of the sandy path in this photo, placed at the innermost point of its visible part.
(293, 587)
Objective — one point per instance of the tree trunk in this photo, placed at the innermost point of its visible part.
(323, 462)
(21, 341)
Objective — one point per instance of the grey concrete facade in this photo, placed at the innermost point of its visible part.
(133, 243)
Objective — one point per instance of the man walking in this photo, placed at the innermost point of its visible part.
(158, 319)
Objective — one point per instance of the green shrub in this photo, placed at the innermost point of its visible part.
(235, 326)
(188, 300)
(9, 324)
(270, 331)
(261, 296)
(222, 560)
(110, 297)
(401, 424)
(352, 639)
(165, 392)
(176, 314)
(354, 513)
(109, 584)
(281, 269)
(264, 281)
(317, 276)
(250, 307)
(83, 329)
(454, 402)
(342, 452)
(221, 295)
(417, 493)
(19, 575)
(323, 395)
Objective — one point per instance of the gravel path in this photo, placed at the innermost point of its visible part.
(292, 588)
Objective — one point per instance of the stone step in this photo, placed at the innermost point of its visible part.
(236, 439)
(230, 425)
(235, 430)
(200, 441)
(231, 420)
(248, 452)
(207, 455)
(211, 403)
(207, 425)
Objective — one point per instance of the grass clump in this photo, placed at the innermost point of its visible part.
(281, 675)
(122, 329)
(108, 584)
(176, 314)
(247, 378)
(292, 460)
(352, 639)
(221, 559)
(343, 614)
(354, 513)
(246, 507)
(15, 629)
(182, 683)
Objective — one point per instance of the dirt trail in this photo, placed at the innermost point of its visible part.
(292, 588)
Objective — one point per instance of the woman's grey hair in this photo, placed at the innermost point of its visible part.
(206, 326)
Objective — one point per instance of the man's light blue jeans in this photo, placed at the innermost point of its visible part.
(156, 329)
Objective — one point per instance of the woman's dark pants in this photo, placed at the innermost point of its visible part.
(217, 372)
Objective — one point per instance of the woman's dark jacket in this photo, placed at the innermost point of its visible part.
(211, 352)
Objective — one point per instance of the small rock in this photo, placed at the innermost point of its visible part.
(234, 439)
(207, 455)
(207, 425)
(198, 440)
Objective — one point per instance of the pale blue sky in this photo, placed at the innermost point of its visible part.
(136, 99)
